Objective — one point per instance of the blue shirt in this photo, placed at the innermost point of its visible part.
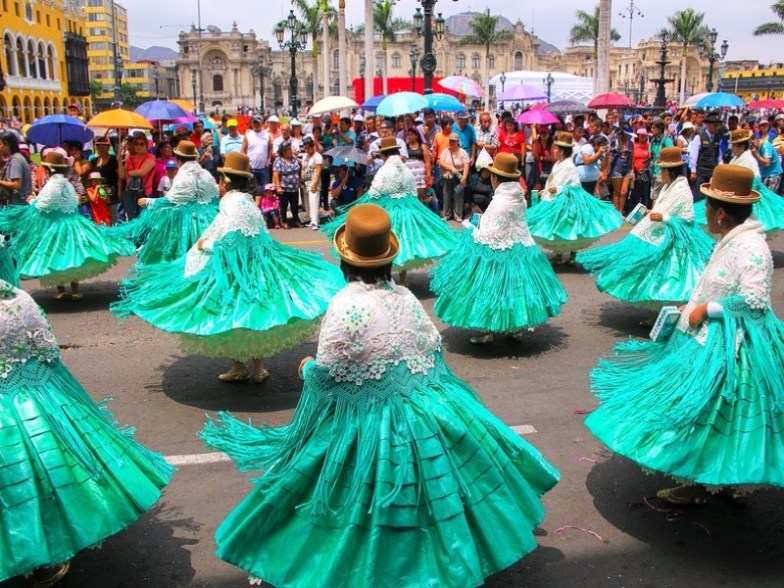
(349, 192)
(230, 144)
(766, 150)
(467, 137)
(588, 172)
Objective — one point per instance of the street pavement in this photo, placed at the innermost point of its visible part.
(603, 528)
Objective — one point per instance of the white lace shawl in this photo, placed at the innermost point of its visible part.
(58, 195)
(676, 199)
(237, 212)
(192, 183)
(394, 179)
(504, 222)
(747, 159)
(24, 332)
(741, 265)
(370, 327)
(564, 173)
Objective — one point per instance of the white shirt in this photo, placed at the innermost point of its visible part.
(258, 148)
(309, 164)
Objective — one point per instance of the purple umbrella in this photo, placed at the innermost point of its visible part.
(521, 92)
(537, 117)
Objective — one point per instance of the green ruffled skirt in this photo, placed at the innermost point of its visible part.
(70, 477)
(253, 298)
(423, 236)
(497, 290)
(703, 413)
(8, 271)
(59, 248)
(769, 209)
(572, 221)
(636, 271)
(404, 481)
(164, 232)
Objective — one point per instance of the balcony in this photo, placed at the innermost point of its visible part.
(25, 83)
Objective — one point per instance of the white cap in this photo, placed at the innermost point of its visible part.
(273, 118)
(359, 118)
(295, 123)
(687, 125)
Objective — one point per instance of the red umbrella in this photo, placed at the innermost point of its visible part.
(769, 103)
(610, 100)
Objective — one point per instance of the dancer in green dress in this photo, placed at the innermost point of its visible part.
(8, 271)
(707, 405)
(391, 472)
(238, 293)
(69, 475)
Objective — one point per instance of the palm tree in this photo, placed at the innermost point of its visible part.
(311, 13)
(686, 27)
(587, 29)
(483, 33)
(387, 27)
(773, 28)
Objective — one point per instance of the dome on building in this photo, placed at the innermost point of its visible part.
(460, 25)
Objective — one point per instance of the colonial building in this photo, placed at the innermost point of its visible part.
(751, 81)
(43, 67)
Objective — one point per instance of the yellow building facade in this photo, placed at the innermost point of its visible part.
(107, 24)
(755, 84)
(37, 35)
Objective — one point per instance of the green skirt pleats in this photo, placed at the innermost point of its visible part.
(636, 271)
(423, 236)
(703, 413)
(768, 210)
(165, 232)
(407, 481)
(8, 271)
(572, 221)
(69, 476)
(498, 290)
(59, 248)
(253, 298)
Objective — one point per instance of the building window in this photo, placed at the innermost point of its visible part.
(518, 61)
(475, 61)
(41, 57)
(21, 68)
(336, 88)
(395, 60)
(95, 3)
(461, 61)
(28, 12)
(217, 83)
(380, 61)
(48, 22)
(17, 11)
(10, 58)
(491, 62)
(336, 60)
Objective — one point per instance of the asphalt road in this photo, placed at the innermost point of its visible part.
(599, 531)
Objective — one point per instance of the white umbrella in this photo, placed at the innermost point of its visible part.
(331, 104)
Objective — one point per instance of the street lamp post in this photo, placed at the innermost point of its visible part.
(297, 42)
(631, 10)
(414, 57)
(708, 49)
(424, 25)
(549, 81)
(263, 71)
(193, 84)
(156, 76)
(502, 79)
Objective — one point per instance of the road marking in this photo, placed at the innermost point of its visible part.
(219, 457)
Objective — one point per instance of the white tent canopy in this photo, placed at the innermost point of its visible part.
(565, 86)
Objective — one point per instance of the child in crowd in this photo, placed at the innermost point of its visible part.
(269, 204)
(166, 181)
(430, 199)
(98, 200)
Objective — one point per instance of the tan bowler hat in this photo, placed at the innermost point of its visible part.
(740, 136)
(54, 160)
(731, 183)
(564, 139)
(186, 149)
(366, 239)
(670, 157)
(505, 165)
(236, 164)
(388, 144)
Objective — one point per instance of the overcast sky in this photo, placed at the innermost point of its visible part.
(153, 22)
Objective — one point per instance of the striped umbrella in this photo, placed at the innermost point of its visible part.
(462, 85)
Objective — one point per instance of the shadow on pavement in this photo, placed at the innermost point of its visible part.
(543, 339)
(623, 319)
(97, 297)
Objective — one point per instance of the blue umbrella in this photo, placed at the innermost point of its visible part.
(372, 103)
(444, 102)
(401, 103)
(720, 100)
(52, 130)
(158, 110)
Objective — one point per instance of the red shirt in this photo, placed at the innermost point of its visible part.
(132, 163)
(642, 153)
(511, 143)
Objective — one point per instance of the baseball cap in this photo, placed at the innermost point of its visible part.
(359, 118)
(642, 131)
(307, 141)
(273, 119)
(232, 122)
(95, 176)
(270, 188)
(256, 118)
(687, 125)
(463, 114)
(779, 117)
(171, 164)
(454, 137)
(295, 122)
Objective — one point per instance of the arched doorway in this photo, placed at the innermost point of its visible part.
(16, 107)
(27, 110)
(55, 106)
(47, 107)
(38, 113)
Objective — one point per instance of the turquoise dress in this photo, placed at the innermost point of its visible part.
(571, 219)
(169, 226)
(54, 243)
(244, 296)
(70, 477)
(423, 236)
(657, 263)
(707, 406)
(496, 279)
(8, 271)
(391, 472)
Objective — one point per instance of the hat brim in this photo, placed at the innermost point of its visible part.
(561, 144)
(503, 173)
(706, 189)
(234, 172)
(390, 148)
(185, 155)
(744, 140)
(55, 165)
(359, 260)
(661, 163)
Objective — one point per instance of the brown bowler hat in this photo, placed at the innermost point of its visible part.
(388, 144)
(505, 165)
(54, 160)
(366, 239)
(186, 149)
(731, 183)
(670, 157)
(740, 136)
(236, 164)
(564, 139)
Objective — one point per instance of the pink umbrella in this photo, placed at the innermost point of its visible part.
(768, 103)
(539, 106)
(521, 92)
(537, 117)
(610, 100)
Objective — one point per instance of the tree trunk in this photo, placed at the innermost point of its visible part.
(385, 89)
(369, 61)
(683, 75)
(325, 51)
(603, 57)
(302, 85)
(487, 78)
(342, 51)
